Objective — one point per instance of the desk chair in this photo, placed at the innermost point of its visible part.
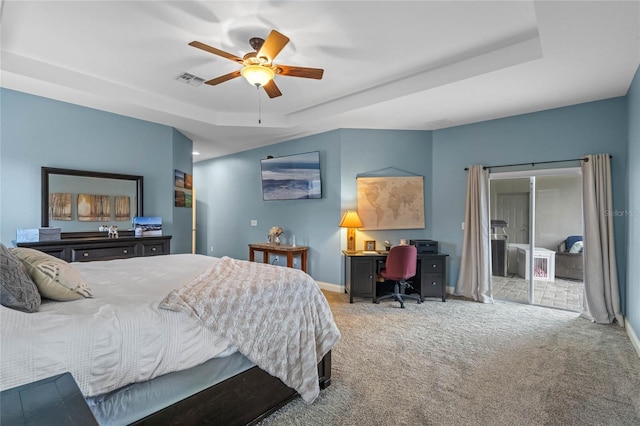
(400, 266)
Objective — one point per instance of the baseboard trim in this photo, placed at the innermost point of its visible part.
(330, 287)
(633, 337)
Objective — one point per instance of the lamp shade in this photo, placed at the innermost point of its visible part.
(351, 220)
(257, 75)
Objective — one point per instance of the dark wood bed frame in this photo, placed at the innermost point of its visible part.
(244, 399)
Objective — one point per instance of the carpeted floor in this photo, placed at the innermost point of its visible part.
(466, 363)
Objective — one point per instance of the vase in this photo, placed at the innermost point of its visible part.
(274, 239)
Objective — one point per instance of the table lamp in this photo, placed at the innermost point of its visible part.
(351, 221)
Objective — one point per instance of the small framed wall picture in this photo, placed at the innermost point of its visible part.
(369, 245)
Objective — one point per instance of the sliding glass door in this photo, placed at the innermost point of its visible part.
(535, 213)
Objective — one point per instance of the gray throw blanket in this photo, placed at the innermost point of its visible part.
(276, 316)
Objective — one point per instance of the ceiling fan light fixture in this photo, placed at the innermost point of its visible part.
(257, 75)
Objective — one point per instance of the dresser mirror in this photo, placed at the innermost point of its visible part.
(80, 202)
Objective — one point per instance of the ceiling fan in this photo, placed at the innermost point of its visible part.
(258, 67)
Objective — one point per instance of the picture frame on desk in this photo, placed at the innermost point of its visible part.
(370, 245)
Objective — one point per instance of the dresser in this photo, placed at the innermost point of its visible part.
(102, 248)
(361, 275)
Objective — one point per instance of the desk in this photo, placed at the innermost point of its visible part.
(361, 274)
(289, 251)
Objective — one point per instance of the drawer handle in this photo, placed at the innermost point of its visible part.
(125, 251)
(434, 283)
(85, 254)
(434, 266)
(153, 249)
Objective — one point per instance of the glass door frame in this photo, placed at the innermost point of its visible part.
(532, 174)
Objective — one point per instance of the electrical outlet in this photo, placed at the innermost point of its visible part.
(211, 249)
(254, 222)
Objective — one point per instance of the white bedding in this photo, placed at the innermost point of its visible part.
(118, 337)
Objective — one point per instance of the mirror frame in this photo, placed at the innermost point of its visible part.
(48, 171)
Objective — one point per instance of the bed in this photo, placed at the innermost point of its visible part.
(182, 338)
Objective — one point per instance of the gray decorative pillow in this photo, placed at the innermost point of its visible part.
(17, 290)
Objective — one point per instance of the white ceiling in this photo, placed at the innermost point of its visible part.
(388, 64)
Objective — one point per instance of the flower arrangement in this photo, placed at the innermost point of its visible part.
(274, 234)
(275, 231)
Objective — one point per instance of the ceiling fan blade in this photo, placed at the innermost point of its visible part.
(223, 78)
(272, 90)
(299, 71)
(274, 43)
(215, 51)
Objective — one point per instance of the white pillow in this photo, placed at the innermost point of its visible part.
(576, 247)
(55, 278)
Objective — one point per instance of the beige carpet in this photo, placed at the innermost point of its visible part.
(466, 363)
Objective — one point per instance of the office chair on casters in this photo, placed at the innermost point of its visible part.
(400, 266)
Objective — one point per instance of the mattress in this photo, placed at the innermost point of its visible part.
(117, 338)
(139, 400)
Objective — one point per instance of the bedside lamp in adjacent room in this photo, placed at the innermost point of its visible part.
(351, 221)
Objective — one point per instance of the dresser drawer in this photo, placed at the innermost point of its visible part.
(103, 253)
(154, 249)
(432, 285)
(432, 265)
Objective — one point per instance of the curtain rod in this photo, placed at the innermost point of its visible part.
(534, 163)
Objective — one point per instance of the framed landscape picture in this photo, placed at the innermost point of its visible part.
(292, 177)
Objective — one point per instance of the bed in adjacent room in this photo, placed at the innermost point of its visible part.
(186, 338)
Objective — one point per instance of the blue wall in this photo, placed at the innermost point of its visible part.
(440, 156)
(633, 240)
(558, 134)
(229, 195)
(39, 132)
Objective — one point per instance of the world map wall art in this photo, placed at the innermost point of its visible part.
(391, 202)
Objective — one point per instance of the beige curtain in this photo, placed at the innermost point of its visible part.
(601, 302)
(474, 280)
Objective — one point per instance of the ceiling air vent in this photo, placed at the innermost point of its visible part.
(190, 79)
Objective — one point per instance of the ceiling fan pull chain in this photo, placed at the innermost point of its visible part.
(259, 106)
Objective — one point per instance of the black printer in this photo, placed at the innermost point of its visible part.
(425, 246)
